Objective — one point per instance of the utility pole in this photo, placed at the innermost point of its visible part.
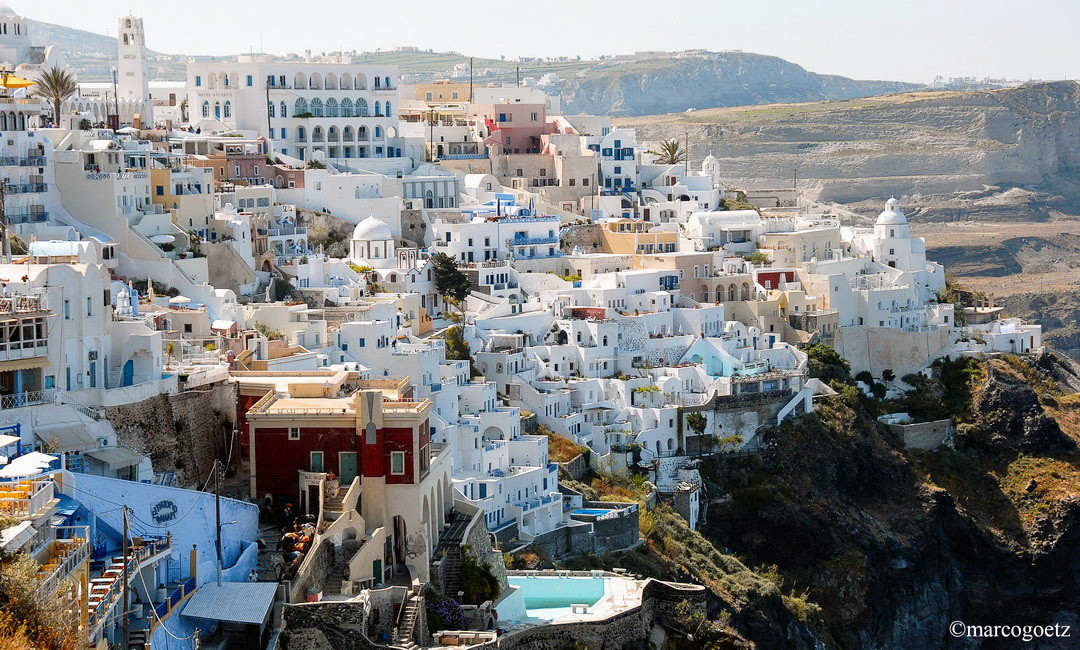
(116, 101)
(470, 79)
(431, 135)
(686, 157)
(124, 577)
(217, 515)
(4, 221)
(518, 76)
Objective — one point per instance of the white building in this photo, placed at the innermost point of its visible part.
(332, 111)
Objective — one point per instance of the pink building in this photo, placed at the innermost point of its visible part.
(513, 128)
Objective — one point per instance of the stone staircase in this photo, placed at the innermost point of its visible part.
(449, 552)
(403, 637)
(333, 583)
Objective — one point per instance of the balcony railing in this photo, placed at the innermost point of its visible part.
(102, 602)
(25, 498)
(533, 241)
(285, 232)
(24, 188)
(70, 548)
(26, 216)
(28, 398)
(32, 161)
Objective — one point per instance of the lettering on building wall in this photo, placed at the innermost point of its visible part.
(163, 511)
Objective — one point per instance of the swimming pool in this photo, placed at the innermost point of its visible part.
(595, 512)
(551, 597)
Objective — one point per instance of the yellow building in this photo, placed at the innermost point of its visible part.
(630, 237)
(442, 92)
(187, 193)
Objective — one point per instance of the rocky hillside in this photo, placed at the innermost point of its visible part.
(909, 145)
(838, 537)
(671, 84)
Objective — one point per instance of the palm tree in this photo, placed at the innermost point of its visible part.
(670, 152)
(56, 84)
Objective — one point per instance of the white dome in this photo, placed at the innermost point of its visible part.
(892, 215)
(371, 229)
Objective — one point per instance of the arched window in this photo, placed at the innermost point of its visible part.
(332, 134)
(284, 111)
(388, 112)
(347, 134)
(360, 82)
(315, 82)
(361, 107)
(317, 134)
(125, 39)
(316, 106)
(206, 109)
(270, 109)
(300, 81)
(378, 132)
(228, 108)
(217, 110)
(346, 105)
(300, 107)
(361, 133)
(378, 110)
(346, 82)
(331, 107)
(331, 82)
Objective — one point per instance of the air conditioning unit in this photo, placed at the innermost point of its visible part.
(103, 442)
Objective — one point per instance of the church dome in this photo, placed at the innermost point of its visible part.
(371, 229)
(891, 216)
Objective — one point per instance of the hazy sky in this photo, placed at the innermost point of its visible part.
(905, 40)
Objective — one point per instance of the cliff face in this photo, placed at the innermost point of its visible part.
(903, 145)
(894, 544)
(671, 85)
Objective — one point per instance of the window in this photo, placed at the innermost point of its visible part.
(249, 80)
(397, 462)
(198, 80)
(67, 310)
(502, 117)
(534, 117)
(543, 172)
(294, 433)
(572, 181)
(362, 342)
(206, 109)
(187, 328)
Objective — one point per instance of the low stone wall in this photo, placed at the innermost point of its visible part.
(576, 467)
(318, 567)
(325, 626)
(608, 535)
(925, 435)
(529, 424)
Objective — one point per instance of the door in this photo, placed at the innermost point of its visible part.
(93, 374)
(128, 377)
(376, 570)
(347, 462)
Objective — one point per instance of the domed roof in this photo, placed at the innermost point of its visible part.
(6, 11)
(371, 229)
(892, 215)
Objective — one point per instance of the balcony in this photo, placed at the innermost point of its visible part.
(106, 590)
(25, 498)
(68, 547)
(286, 232)
(26, 216)
(533, 241)
(28, 398)
(25, 188)
(32, 161)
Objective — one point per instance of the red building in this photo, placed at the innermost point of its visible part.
(377, 445)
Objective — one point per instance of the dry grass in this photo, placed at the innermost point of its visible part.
(562, 449)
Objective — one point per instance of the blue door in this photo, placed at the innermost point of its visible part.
(93, 374)
(128, 376)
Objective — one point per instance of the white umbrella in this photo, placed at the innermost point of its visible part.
(36, 457)
(163, 239)
(27, 465)
(127, 129)
(179, 300)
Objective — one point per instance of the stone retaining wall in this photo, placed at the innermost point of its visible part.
(184, 432)
(576, 467)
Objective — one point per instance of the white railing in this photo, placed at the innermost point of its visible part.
(28, 398)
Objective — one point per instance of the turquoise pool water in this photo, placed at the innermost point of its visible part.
(596, 512)
(550, 598)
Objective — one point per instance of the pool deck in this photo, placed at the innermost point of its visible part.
(621, 593)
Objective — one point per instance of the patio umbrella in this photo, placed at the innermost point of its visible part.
(179, 300)
(8, 80)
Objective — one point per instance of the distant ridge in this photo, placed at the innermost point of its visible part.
(642, 84)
